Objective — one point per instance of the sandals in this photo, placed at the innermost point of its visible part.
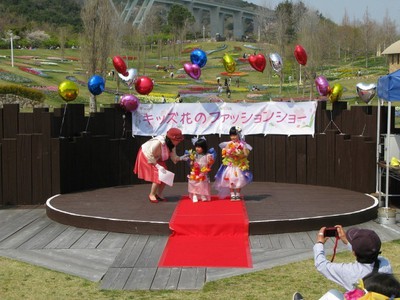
(153, 200)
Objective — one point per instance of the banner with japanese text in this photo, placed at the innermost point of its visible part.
(283, 118)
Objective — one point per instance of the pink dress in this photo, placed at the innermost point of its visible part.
(199, 181)
(154, 151)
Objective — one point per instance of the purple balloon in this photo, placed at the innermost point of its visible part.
(129, 102)
(192, 70)
(322, 85)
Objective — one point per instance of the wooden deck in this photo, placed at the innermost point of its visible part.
(129, 261)
(271, 208)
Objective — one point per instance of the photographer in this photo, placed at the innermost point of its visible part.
(366, 246)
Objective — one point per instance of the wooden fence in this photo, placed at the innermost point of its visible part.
(40, 155)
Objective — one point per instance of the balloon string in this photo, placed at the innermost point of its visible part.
(63, 118)
(123, 126)
(362, 133)
(331, 121)
(87, 123)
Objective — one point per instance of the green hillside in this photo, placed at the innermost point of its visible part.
(53, 12)
(45, 70)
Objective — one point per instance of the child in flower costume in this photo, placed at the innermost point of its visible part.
(201, 160)
(234, 172)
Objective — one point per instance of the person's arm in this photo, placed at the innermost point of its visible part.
(174, 157)
(337, 272)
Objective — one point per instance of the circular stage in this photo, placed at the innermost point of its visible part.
(271, 208)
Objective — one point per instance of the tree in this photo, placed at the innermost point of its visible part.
(178, 17)
(367, 30)
(99, 36)
(284, 24)
(36, 37)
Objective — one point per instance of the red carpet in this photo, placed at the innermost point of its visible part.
(208, 234)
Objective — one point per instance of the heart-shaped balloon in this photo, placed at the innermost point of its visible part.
(198, 57)
(96, 85)
(144, 85)
(366, 91)
(258, 62)
(132, 74)
(336, 92)
(129, 102)
(192, 70)
(276, 62)
(119, 65)
(68, 90)
(300, 54)
(322, 85)
(229, 63)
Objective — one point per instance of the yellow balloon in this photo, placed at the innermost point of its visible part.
(68, 90)
(229, 63)
(336, 92)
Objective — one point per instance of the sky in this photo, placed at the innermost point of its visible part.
(335, 9)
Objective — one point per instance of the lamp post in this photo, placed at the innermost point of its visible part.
(12, 37)
(204, 32)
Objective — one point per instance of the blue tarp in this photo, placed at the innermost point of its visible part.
(389, 87)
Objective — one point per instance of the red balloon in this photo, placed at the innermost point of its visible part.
(119, 65)
(144, 85)
(301, 55)
(258, 62)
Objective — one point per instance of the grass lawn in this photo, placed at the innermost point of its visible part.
(23, 281)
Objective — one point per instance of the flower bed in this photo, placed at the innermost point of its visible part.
(6, 76)
(234, 74)
(129, 57)
(26, 57)
(33, 71)
(51, 88)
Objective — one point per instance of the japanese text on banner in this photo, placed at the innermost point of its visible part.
(284, 118)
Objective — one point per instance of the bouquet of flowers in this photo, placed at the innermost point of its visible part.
(198, 173)
(233, 155)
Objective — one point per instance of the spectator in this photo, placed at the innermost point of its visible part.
(366, 246)
(228, 92)
(220, 89)
(374, 286)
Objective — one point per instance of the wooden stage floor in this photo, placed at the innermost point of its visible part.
(271, 208)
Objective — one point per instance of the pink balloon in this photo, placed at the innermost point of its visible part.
(119, 65)
(301, 55)
(193, 70)
(144, 85)
(322, 85)
(129, 102)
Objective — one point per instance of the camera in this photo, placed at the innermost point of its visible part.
(330, 232)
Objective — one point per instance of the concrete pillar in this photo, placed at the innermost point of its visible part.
(198, 16)
(216, 23)
(238, 25)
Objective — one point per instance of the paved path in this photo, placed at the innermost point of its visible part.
(129, 261)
